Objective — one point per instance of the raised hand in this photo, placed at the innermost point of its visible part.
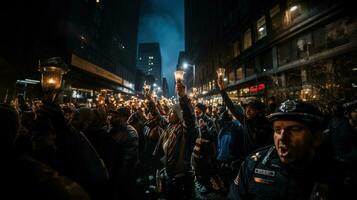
(220, 84)
(180, 88)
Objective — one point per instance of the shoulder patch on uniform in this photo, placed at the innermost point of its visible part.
(256, 156)
(264, 172)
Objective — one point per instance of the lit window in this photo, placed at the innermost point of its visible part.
(293, 11)
(276, 18)
(151, 57)
(231, 77)
(247, 39)
(261, 28)
(239, 73)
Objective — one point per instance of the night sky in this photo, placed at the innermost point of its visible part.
(163, 21)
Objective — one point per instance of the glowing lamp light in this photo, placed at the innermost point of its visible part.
(220, 72)
(51, 81)
(293, 8)
(179, 76)
(52, 71)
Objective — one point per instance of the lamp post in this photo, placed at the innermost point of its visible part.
(52, 71)
(179, 76)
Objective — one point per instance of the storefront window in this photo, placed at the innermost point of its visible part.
(293, 83)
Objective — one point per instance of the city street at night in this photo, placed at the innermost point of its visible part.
(178, 99)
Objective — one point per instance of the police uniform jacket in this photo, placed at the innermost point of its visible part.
(263, 176)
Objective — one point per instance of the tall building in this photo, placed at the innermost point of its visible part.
(149, 60)
(97, 38)
(181, 60)
(288, 49)
(165, 88)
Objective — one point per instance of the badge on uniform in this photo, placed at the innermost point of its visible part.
(264, 172)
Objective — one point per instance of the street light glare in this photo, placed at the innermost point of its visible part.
(185, 65)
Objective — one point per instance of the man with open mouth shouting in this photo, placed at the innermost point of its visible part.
(297, 166)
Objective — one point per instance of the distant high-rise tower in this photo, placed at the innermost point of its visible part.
(149, 60)
(165, 88)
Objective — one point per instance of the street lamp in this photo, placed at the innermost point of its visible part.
(179, 76)
(52, 71)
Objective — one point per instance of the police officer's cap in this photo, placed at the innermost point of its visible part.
(299, 111)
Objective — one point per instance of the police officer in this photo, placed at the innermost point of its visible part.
(292, 168)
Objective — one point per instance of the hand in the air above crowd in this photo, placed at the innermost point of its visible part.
(180, 88)
(220, 84)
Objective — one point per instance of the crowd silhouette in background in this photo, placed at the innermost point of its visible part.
(163, 149)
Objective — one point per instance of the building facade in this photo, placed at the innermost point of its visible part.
(149, 60)
(287, 49)
(96, 38)
(165, 88)
(183, 63)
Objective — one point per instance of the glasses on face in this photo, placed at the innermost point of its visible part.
(290, 129)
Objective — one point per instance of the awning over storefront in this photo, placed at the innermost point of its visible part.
(88, 75)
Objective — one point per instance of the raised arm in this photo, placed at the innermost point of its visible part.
(228, 102)
(187, 111)
(152, 106)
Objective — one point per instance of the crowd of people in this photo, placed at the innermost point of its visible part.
(183, 150)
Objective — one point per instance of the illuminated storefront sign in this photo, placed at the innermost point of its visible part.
(252, 89)
(257, 88)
